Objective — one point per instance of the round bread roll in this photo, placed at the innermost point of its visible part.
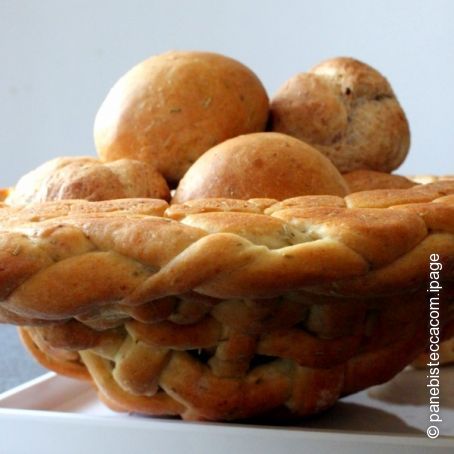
(348, 111)
(88, 178)
(261, 165)
(171, 108)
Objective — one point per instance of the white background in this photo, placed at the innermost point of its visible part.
(59, 58)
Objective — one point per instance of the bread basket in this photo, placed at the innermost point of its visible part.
(224, 309)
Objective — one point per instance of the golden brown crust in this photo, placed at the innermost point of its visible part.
(269, 165)
(89, 179)
(383, 198)
(171, 108)
(219, 205)
(50, 359)
(19, 215)
(237, 309)
(367, 180)
(4, 192)
(299, 242)
(348, 111)
(308, 363)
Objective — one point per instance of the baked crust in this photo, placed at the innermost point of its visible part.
(366, 180)
(263, 164)
(236, 309)
(348, 111)
(4, 192)
(173, 107)
(88, 178)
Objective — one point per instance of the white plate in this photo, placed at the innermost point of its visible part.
(53, 414)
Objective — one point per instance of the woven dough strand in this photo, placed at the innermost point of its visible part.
(224, 309)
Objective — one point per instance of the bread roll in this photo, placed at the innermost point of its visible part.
(171, 108)
(348, 111)
(267, 165)
(367, 180)
(87, 178)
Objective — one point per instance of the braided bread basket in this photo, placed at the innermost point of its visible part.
(224, 309)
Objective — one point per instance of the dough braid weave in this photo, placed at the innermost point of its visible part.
(224, 309)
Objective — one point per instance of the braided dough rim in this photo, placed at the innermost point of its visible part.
(367, 243)
(429, 203)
